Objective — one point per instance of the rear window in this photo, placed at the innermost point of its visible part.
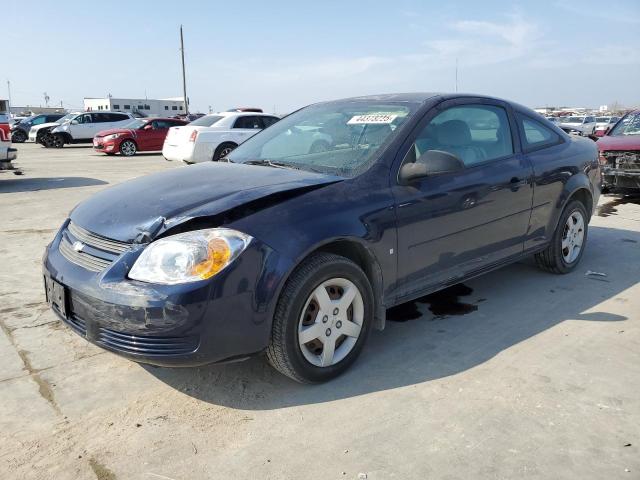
(535, 135)
(206, 121)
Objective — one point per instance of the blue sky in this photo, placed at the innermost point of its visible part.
(286, 54)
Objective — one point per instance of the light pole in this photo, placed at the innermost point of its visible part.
(184, 76)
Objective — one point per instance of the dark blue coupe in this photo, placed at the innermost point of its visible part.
(298, 241)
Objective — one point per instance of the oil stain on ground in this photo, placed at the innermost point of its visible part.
(609, 208)
(101, 472)
(443, 303)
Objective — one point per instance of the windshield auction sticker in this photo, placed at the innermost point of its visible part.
(376, 118)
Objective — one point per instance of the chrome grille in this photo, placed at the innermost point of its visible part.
(95, 264)
(96, 241)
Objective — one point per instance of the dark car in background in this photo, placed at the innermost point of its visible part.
(20, 131)
(620, 155)
(299, 253)
(141, 135)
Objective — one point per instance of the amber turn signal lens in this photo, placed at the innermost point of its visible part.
(218, 256)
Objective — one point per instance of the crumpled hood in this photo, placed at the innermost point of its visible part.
(35, 128)
(619, 142)
(140, 209)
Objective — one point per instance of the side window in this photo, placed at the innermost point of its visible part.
(249, 122)
(38, 121)
(100, 117)
(267, 121)
(86, 118)
(535, 135)
(475, 133)
(118, 117)
(159, 124)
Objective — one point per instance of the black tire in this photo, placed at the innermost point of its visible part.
(552, 259)
(284, 353)
(57, 141)
(19, 136)
(128, 148)
(319, 146)
(223, 150)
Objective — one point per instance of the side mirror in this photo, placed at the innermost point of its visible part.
(74, 122)
(431, 162)
(148, 126)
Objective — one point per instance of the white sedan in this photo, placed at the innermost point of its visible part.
(212, 137)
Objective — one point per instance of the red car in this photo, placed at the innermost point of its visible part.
(620, 155)
(141, 135)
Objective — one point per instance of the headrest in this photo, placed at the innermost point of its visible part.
(454, 133)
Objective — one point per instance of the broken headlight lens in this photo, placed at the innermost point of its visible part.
(189, 257)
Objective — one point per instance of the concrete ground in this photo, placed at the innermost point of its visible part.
(541, 381)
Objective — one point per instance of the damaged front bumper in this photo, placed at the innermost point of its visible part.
(621, 171)
(224, 318)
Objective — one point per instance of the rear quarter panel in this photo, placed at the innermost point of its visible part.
(560, 171)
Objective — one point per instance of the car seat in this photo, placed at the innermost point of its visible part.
(454, 136)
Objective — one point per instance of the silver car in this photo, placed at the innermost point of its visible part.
(583, 125)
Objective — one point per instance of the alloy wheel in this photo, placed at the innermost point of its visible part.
(573, 237)
(128, 148)
(331, 322)
(225, 151)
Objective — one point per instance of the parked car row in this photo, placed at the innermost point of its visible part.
(585, 125)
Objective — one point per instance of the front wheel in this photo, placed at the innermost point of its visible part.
(128, 148)
(322, 319)
(568, 242)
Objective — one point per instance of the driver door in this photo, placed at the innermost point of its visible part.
(154, 137)
(453, 224)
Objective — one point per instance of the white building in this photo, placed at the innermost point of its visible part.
(164, 107)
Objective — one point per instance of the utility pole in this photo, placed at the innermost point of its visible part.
(184, 77)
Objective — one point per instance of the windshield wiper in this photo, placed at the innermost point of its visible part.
(271, 163)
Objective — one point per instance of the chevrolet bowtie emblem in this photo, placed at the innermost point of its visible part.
(78, 246)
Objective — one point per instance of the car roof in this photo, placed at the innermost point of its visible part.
(394, 97)
(240, 114)
(149, 119)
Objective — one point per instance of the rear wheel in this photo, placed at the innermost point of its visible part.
(19, 136)
(223, 150)
(569, 240)
(128, 148)
(322, 319)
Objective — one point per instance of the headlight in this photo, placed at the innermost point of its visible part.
(112, 137)
(189, 257)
